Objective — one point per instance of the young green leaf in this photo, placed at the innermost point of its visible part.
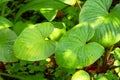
(33, 44)
(74, 52)
(105, 23)
(7, 38)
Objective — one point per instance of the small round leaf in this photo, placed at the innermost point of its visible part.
(81, 75)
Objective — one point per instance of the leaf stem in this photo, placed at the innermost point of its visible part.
(113, 67)
(3, 7)
(109, 52)
(79, 5)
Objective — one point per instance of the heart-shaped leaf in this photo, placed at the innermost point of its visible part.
(7, 38)
(105, 23)
(33, 44)
(74, 52)
(41, 4)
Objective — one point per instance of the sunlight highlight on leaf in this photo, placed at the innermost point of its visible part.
(69, 2)
(106, 25)
(73, 51)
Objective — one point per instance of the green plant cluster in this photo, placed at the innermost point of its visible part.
(59, 40)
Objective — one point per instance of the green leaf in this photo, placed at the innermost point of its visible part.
(116, 53)
(59, 31)
(20, 26)
(69, 2)
(13, 68)
(49, 14)
(74, 52)
(40, 4)
(5, 22)
(115, 11)
(116, 63)
(81, 75)
(38, 76)
(2, 1)
(117, 70)
(33, 44)
(105, 23)
(102, 78)
(111, 76)
(97, 9)
(35, 77)
(7, 38)
(1, 78)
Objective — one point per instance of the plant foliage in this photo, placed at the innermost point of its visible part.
(105, 23)
(33, 45)
(47, 39)
(73, 51)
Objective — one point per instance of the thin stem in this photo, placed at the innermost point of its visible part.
(79, 5)
(13, 76)
(107, 55)
(99, 63)
(109, 52)
(2, 12)
(113, 67)
(3, 9)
